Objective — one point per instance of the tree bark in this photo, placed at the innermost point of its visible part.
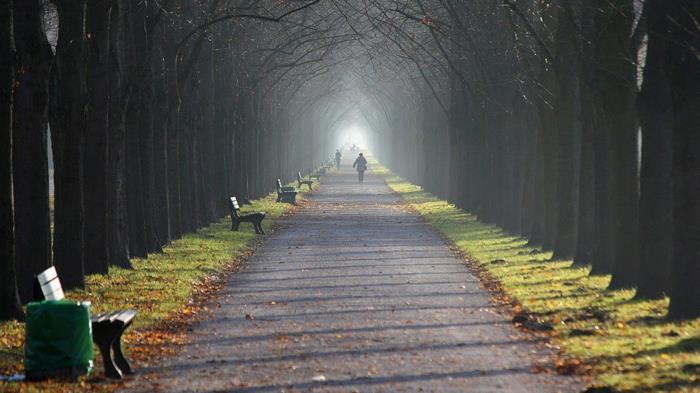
(68, 98)
(566, 70)
(95, 156)
(160, 137)
(656, 184)
(118, 237)
(682, 65)
(134, 175)
(617, 83)
(537, 230)
(29, 146)
(550, 144)
(173, 145)
(10, 307)
(585, 237)
(586, 234)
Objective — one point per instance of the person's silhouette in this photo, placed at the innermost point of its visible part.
(338, 156)
(361, 165)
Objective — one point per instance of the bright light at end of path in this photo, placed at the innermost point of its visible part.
(353, 136)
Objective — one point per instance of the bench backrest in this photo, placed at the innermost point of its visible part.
(279, 185)
(233, 205)
(50, 284)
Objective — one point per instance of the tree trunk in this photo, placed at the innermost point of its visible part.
(585, 238)
(139, 133)
(68, 97)
(550, 144)
(616, 78)
(147, 145)
(9, 297)
(29, 146)
(173, 149)
(566, 70)
(656, 193)
(603, 252)
(160, 138)
(175, 198)
(118, 237)
(134, 176)
(95, 156)
(586, 234)
(682, 65)
(537, 229)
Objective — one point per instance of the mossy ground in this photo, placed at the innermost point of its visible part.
(162, 288)
(625, 344)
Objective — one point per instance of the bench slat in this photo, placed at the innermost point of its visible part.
(123, 316)
(104, 317)
(126, 316)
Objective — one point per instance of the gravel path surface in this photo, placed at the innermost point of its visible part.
(354, 294)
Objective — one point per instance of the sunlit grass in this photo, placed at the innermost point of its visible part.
(157, 286)
(628, 343)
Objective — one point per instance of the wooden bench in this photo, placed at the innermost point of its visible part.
(301, 181)
(237, 218)
(107, 328)
(286, 194)
(321, 171)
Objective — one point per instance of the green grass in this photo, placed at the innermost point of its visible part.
(626, 344)
(160, 287)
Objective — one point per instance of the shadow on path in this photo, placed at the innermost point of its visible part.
(354, 293)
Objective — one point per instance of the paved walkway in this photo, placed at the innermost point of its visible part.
(354, 294)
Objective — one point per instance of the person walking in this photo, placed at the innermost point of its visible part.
(361, 165)
(338, 156)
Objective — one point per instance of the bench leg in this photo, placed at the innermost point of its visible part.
(111, 369)
(119, 358)
(258, 228)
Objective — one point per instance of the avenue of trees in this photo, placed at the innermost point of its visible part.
(155, 118)
(574, 123)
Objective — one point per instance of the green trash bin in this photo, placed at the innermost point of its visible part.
(58, 340)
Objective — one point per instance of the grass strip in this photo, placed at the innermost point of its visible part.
(627, 345)
(162, 288)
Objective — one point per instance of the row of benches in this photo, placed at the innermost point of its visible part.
(107, 328)
(284, 194)
(289, 194)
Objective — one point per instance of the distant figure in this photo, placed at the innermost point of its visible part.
(353, 148)
(338, 156)
(361, 164)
